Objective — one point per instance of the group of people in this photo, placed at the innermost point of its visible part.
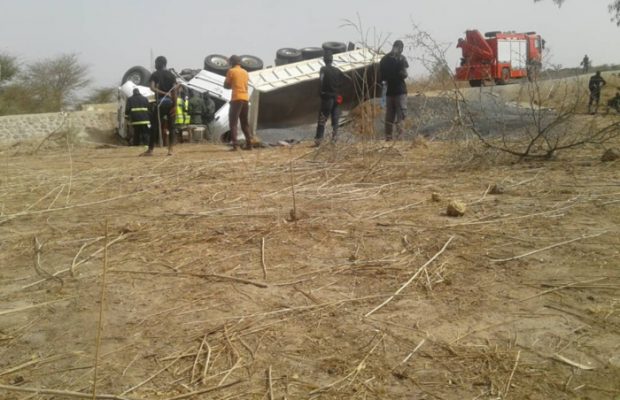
(172, 110)
(392, 74)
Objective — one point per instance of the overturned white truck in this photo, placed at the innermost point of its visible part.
(280, 96)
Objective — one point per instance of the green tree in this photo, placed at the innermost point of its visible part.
(14, 99)
(52, 83)
(9, 67)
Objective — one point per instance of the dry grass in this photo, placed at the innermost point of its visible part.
(215, 286)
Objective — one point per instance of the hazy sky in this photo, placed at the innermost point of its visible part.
(112, 35)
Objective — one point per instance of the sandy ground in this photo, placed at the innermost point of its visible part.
(301, 273)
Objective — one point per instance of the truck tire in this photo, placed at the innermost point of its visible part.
(289, 54)
(309, 53)
(491, 34)
(251, 63)
(138, 75)
(216, 63)
(334, 47)
(475, 83)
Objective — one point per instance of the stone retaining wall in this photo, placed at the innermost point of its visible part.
(87, 124)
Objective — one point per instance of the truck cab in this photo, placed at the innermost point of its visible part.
(499, 57)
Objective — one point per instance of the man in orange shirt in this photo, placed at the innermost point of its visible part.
(237, 80)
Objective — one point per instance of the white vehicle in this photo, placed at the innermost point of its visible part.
(280, 96)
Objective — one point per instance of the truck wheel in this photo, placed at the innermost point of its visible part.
(251, 63)
(225, 137)
(505, 77)
(334, 47)
(309, 53)
(216, 63)
(289, 54)
(475, 83)
(138, 75)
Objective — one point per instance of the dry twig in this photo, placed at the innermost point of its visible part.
(404, 286)
(101, 307)
(262, 259)
(529, 253)
(514, 368)
(62, 393)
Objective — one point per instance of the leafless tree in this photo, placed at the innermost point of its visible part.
(51, 84)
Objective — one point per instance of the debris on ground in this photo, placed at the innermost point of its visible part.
(610, 155)
(456, 208)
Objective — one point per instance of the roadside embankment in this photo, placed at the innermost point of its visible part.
(86, 124)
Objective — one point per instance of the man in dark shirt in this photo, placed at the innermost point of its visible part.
(393, 70)
(163, 84)
(595, 85)
(330, 79)
(137, 112)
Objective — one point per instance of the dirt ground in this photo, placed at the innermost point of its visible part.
(300, 273)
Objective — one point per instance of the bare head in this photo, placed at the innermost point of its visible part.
(234, 60)
(160, 63)
(598, 73)
(136, 91)
(398, 47)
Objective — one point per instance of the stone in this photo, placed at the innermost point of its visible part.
(456, 208)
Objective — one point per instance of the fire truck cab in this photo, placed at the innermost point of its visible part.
(498, 57)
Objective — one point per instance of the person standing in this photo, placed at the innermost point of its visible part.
(595, 85)
(163, 84)
(137, 112)
(330, 79)
(237, 79)
(393, 72)
(182, 112)
(585, 63)
(196, 108)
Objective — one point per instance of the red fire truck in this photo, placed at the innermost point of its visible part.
(497, 57)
